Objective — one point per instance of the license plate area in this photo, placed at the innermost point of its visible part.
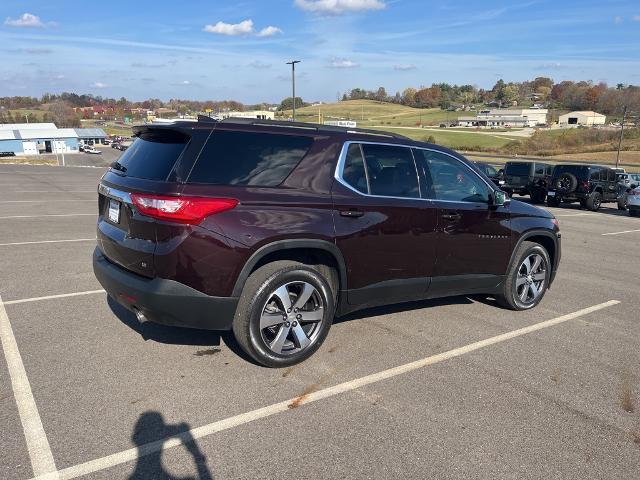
(551, 194)
(113, 212)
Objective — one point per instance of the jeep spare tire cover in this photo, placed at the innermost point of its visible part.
(567, 182)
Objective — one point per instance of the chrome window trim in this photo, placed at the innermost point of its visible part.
(343, 156)
(114, 193)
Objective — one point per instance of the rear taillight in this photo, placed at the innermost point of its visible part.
(585, 184)
(188, 210)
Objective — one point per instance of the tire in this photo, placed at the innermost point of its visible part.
(284, 342)
(538, 195)
(634, 213)
(514, 285)
(583, 204)
(622, 203)
(594, 201)
(567, 182)
(552, 201)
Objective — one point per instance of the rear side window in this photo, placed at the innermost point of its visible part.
(152, 155)
(253, 159)
(391, 170)
(354, 172)
(595, 174)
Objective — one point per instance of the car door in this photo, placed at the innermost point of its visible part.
(385, 231)
(473, 239)
(610, 185)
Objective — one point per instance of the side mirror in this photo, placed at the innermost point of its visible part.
(633, 186)
(498, 199)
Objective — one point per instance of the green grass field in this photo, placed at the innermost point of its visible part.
(461, 141)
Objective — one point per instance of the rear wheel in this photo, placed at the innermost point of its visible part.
(594, 201)
(528, 278)
(284, 313)
(634, 213)
(623, 203)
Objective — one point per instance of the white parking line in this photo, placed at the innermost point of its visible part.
(54, 191)
(37, 444)
(577, 215)
(49, 241)
(244, 418)
(51, 297)
(53, 215)
(620, 233)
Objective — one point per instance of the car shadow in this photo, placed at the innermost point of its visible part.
(404, 307)
(150, 433)
(176, 335)
(605, 209)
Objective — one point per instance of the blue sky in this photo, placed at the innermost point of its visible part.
(218, 49)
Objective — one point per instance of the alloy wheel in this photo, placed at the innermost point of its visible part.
(292, 317)
(530, 279)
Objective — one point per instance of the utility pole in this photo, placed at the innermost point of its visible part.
(293, 83)
(624, 118)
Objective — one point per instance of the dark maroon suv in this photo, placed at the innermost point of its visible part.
(273, 228)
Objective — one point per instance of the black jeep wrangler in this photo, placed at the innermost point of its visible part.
(591, 185)
(527, 178)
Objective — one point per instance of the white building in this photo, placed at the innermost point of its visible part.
(587, 119)
(506, 117)
(37, 138)
(259, 114)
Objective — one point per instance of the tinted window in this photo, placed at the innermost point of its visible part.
(391, 171)
(518, 169)
(152, 155)
(612, 175)
(595, 174)
(451, 179)
(241, 158)
(354, 173)
(579, 171)
(490, 171)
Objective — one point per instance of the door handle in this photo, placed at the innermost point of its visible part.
(452, 216)
(353, 213)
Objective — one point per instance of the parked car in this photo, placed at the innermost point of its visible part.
(92, 150)
(106, 141)
(7, 154)
(490, 171)
(591, 185)
(271, 229)
(632, 197)
(527, 178)
(115, 144)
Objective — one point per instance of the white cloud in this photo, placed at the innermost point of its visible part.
(617, 19)
(99, 85)
(27, 20)
(259, 65)
(231, 29)
(269, 31)
(404, 67)
(337, 7)
(342, 63)
(636, 18)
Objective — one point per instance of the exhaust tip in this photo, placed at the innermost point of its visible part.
(140, 316)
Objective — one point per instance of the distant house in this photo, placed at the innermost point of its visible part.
(506, 117)
(584, 118)
(36, 138)
(259, 114)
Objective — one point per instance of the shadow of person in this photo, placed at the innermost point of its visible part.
(149, 435)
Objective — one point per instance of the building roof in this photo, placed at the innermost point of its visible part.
(7, 135)
(586, 113)
(45, 133)
(90, 133)
(27, 126)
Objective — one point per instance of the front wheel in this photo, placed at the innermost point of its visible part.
(527, 279)
(284, 313)
(594, 201)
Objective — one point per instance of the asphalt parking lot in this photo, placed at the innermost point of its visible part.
(454, 388)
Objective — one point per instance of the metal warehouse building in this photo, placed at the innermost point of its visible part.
(587, 119)
(512, 117)
(94, 134)
(37, 138)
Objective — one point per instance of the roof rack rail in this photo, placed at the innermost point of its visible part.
(311, 126)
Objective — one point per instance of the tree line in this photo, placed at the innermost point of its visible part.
(568, 95)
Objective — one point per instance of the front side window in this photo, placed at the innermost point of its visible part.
(391, 171)
(451, 180)
(245, 158)
(595, 174)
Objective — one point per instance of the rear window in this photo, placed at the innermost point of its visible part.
(577, 170)
(518, 169)
(242, 158)
(152, 155)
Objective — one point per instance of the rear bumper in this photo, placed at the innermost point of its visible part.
(164, 301)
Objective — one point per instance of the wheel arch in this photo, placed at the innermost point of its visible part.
(306, 250)
(545, 238)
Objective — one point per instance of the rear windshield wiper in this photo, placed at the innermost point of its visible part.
(118, 166)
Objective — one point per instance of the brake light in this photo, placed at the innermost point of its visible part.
(188, 210)
(585, 184)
